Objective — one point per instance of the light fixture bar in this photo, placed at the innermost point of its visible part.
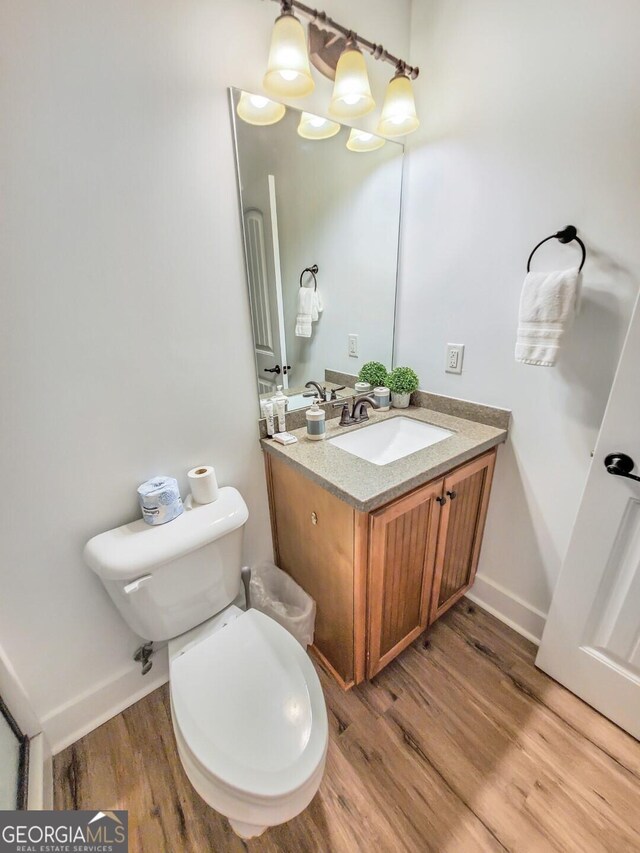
(376, 50)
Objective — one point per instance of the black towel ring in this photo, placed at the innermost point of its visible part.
(567, 235)
(313, 270)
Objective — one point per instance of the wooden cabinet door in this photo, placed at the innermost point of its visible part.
(402, 552)
(314, 541)
(466, 495)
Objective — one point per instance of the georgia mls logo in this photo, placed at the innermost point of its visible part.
(64, 832)
(103, 831)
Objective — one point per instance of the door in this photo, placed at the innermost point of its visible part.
(262, 254)
(402, 553)
(14, 749)
(591, 641)
(465, 500)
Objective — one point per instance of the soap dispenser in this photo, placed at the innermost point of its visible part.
(315, 422)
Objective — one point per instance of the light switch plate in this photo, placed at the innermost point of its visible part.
(455, 355)
(353, 346)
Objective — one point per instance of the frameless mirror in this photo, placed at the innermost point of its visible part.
(320, 225)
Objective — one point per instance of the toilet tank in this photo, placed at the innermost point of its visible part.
(167, 579)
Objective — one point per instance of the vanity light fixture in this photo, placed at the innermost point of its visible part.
(351, 91)
(316, 127)
(256, 109)
(336, 52)
(288, 71)
(361, 141)
(399, 115)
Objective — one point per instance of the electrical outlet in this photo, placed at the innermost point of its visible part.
(455, 354)
(353, 346)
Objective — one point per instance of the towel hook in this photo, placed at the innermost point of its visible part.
(567, 235)
(313, 270)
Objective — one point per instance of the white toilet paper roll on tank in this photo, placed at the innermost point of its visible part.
(203, 483)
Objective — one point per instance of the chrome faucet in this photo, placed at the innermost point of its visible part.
(358, 413)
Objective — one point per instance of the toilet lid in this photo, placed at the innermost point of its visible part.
(249, 705)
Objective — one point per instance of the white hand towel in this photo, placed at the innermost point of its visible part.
(305, 310)
(317, 307)
(548, 304)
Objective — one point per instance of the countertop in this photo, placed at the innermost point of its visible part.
(367, 486)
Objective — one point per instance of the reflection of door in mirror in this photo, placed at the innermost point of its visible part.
(13, 753)
(265, 284)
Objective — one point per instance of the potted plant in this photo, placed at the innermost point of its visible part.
(373, 374)
(402, 381)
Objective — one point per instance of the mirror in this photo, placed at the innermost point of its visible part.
(310, 204)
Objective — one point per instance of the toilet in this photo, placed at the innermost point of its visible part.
(247, 707)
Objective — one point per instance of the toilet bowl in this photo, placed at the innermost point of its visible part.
(247, 707)
(249, 719)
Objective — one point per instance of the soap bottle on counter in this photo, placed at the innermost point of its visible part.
(315, 422)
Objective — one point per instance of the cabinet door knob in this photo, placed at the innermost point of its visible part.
(442, 500)
(452, 494)
(314, 518)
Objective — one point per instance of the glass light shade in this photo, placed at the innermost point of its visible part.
(256, 109)
(351, 91)
(398, 115)
(361, 141)
(288, 72)
(316, 127)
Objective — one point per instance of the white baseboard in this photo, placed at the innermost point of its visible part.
(508, 608)
(76, 718)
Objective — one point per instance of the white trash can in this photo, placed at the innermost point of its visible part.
(277, 595)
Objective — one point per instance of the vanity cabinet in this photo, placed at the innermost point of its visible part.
(460, 531)
(403, 538)
(379, 579)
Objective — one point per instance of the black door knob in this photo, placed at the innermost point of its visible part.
(441, 501)
(275, 369)
(620, 465)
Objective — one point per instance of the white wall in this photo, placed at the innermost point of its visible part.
(125, 316)
(530, 121)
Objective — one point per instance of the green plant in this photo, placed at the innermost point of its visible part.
(374, 373)
(403, 380)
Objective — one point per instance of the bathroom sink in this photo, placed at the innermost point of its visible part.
(390, 440)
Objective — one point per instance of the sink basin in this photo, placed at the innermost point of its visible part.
(389, 440)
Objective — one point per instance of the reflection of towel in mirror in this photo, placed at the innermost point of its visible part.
(317, 306)
(306, 300)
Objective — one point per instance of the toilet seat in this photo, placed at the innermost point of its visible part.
(249, 716)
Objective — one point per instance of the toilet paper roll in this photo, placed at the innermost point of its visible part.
(203, 483)
(160, 500)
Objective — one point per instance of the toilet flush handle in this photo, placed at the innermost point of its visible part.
(135, 585)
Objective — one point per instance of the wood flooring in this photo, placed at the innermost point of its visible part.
(459, 745)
